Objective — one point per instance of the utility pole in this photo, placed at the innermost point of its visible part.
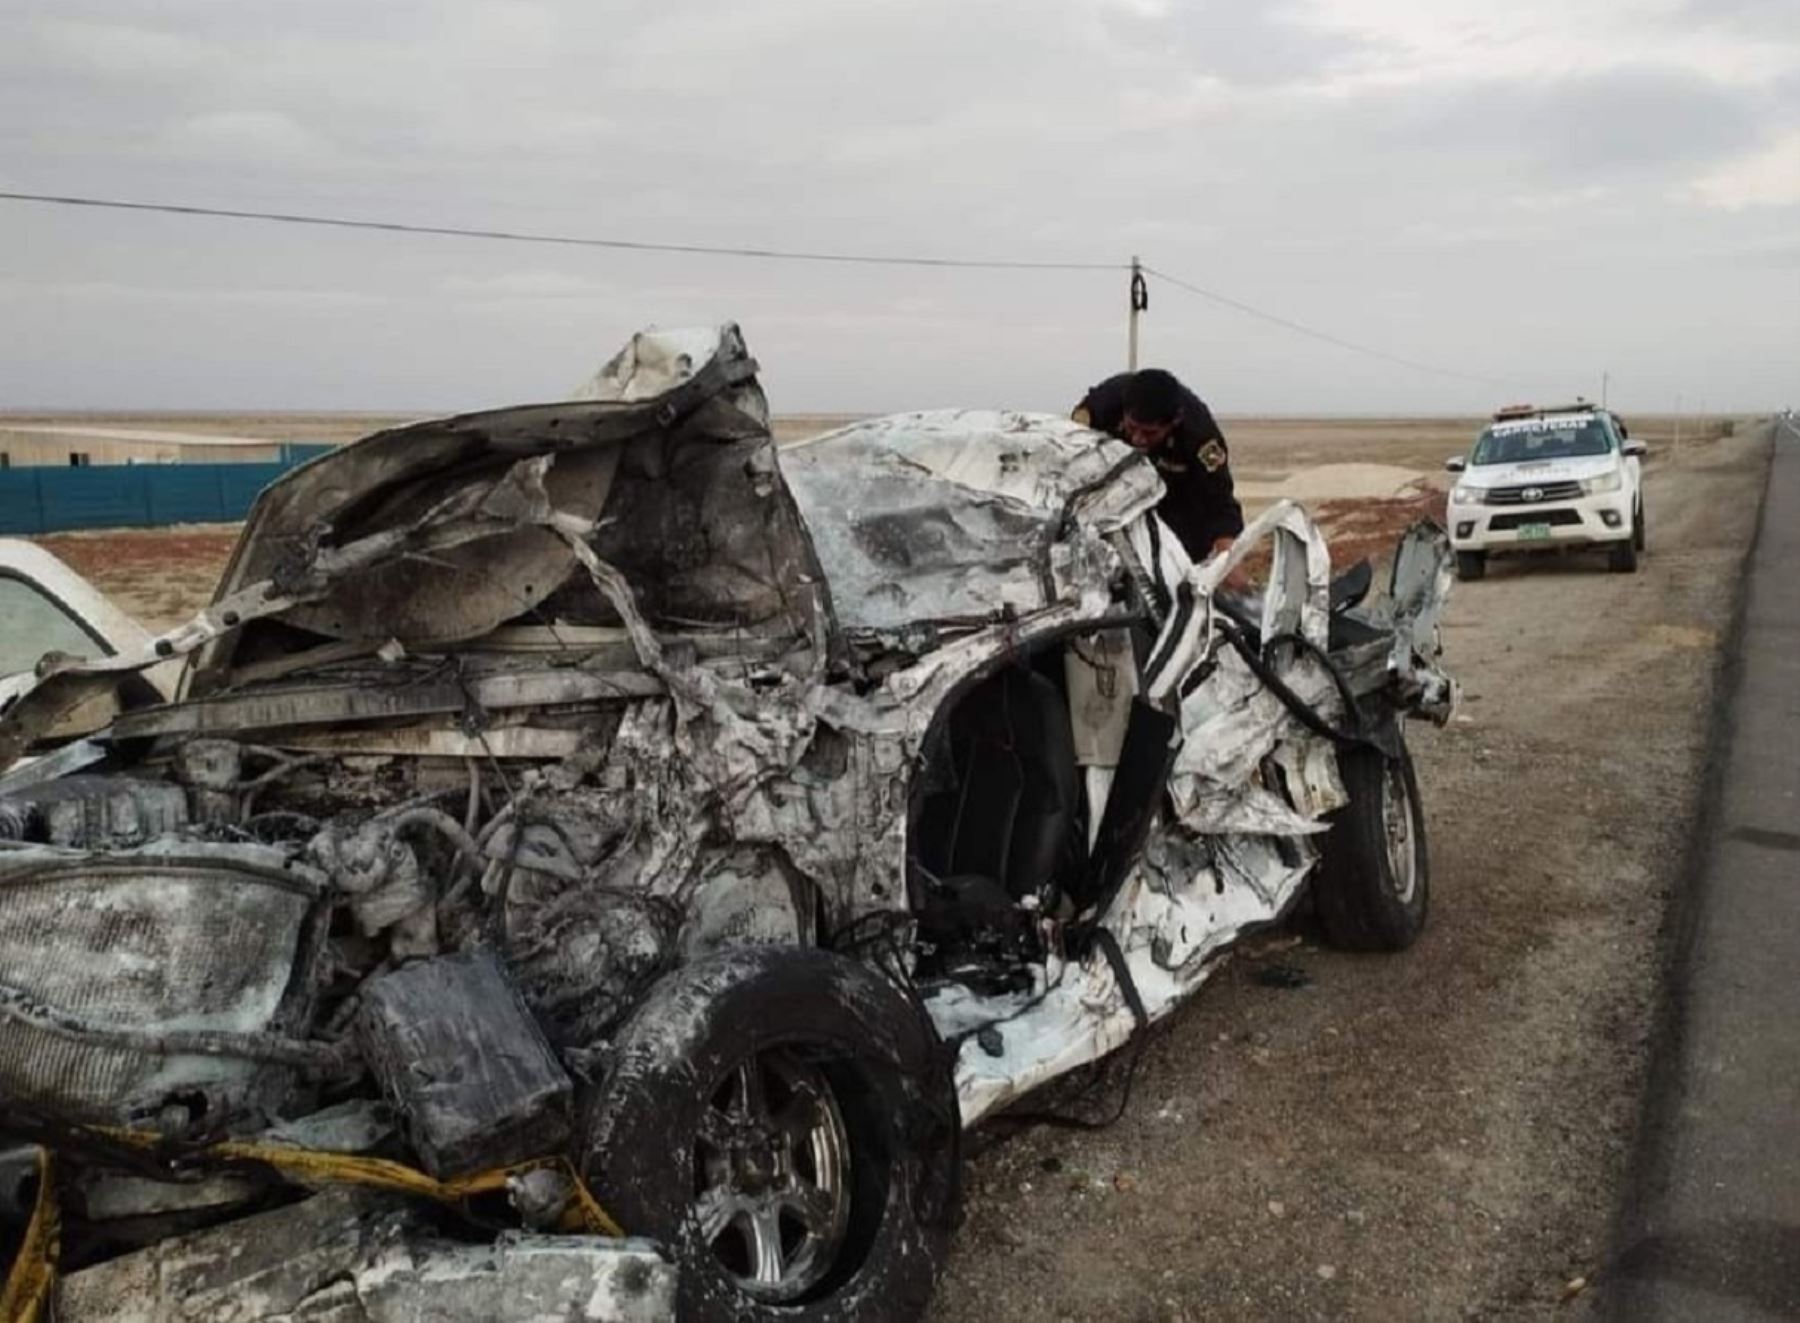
(1603, 380)
(1678, 420)
(1140, 301)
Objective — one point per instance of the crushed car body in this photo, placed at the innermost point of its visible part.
(626, 825)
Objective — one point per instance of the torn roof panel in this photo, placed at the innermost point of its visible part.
(953, 514)
(1039, 460)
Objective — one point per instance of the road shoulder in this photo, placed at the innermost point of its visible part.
(1709, 1226)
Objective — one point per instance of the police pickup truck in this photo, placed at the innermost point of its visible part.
(1546, 479)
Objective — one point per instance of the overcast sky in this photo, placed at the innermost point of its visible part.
(1530, 191)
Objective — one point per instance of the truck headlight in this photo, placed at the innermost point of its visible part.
(1467, 494)
(1606, 482)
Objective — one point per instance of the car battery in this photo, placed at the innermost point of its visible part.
(464, 1064)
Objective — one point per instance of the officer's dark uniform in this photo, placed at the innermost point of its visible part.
(1195, 466)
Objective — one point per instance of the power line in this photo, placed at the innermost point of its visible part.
(1326, 336)
(717, 250)
(564, 240)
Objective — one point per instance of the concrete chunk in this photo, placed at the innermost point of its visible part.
(346, 1256)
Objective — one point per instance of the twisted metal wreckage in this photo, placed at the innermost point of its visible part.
(579, 811)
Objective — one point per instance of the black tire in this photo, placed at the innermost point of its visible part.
(1622, 557)
(1471, 564)
(1637, 529)
(1364, 902)
(670, 1086)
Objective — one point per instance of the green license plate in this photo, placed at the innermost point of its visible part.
(1530, 531)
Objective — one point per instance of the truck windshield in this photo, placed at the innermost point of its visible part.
(1541, 438)
(32, 623)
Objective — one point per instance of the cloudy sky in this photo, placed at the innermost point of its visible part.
(1529, 192)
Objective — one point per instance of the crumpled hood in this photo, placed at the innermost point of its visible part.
(658, 381)
(444, 530)
(441, 532)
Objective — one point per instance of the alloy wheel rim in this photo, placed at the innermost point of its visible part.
(772, 1176)
(1397, 825)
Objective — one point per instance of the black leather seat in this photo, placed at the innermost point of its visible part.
(1011, 808)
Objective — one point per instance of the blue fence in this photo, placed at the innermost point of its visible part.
(50, 500)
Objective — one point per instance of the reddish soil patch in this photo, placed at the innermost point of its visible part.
(1360, 529)
(1369, 529)
(158, 576)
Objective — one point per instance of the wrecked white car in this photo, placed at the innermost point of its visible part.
(581, 817)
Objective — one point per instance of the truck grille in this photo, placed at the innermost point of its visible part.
(1507, 523)
(1534, 493)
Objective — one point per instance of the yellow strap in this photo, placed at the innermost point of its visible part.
(584, 1212)
(34, 1270)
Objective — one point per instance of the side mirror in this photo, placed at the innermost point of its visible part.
(1455, 464)
(1634, 448)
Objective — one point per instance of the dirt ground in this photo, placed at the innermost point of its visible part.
(157, 576)
(1433, 1135)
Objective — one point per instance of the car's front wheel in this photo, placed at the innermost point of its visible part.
(1471, 564)
(784, 1121)
(1374, 882)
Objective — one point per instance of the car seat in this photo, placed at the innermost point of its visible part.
(1006, 805)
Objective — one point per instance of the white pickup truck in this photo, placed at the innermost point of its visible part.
(1544, 479)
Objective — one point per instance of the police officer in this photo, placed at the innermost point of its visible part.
(1152, 411)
